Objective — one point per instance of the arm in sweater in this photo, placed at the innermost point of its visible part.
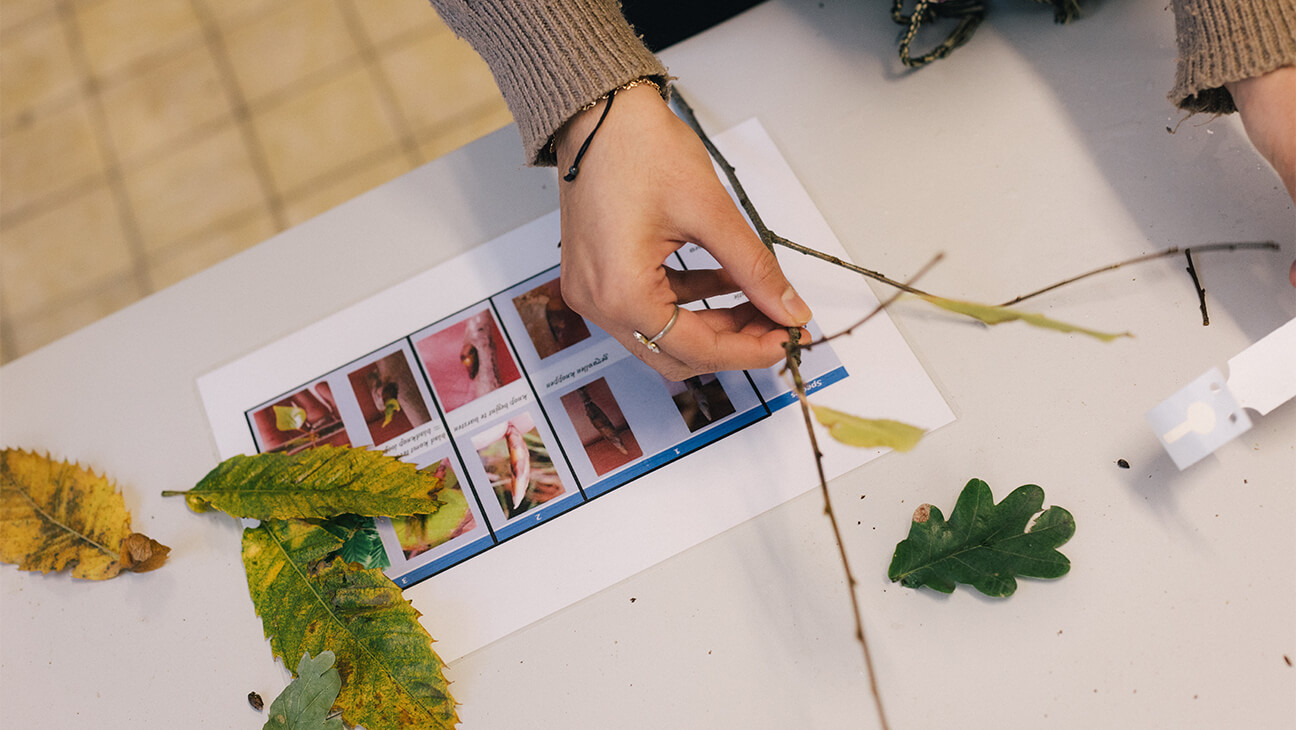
(551, 58)
(1240, 55)
(646, 187)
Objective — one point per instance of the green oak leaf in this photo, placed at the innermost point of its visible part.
(990, 314)
(309, 599)
(306, 701)
(984, 545)
(868, 433)
(320, 483)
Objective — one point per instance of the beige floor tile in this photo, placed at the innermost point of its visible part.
(453, 135)
(7, 351)
(37, 331)
(299, 38)
(194, 189)
(35, 67)
(183, 260)
(118, 34)
(231, 13)
(49, 152)
(53, 256)
(164, 103)
(385, 20)
(323, 130)
(319, 198)
(436, 79)
(14, 13)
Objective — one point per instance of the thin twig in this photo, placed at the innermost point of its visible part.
(1201, 293)
(876, 310)
(1172, 251)
(768, 237)
(793, 245)
(686, 113)
(799, 389)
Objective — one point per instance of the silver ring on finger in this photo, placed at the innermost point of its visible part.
(651, 342)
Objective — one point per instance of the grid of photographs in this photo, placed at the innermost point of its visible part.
(521, 409)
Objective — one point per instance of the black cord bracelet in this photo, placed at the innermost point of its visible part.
(575, 166)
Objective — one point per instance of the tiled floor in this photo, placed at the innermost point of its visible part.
(143, 140)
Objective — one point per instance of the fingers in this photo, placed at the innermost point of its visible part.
(712, 340)
(752, 267)
(690, 286)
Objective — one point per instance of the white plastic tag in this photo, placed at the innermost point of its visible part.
(1208, 412)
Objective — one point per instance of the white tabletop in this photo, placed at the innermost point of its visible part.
(1035, 152)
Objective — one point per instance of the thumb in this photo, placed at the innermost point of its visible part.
(755, 270)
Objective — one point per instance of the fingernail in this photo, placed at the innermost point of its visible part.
(796, 307)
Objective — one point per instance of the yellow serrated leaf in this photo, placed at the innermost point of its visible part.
(55, 515)
(990, 314)
(868, 433)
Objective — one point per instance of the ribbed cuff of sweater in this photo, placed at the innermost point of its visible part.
(551, 58)
(1228, 40)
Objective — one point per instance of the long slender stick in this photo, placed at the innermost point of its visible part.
(1172, 251)
(799, 389)
(686, 113)
(793, 245)
(768, 237)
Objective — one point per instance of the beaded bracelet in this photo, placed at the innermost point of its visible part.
(608, 97)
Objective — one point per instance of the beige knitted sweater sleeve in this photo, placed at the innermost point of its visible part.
(551, 57)
(1228, 40)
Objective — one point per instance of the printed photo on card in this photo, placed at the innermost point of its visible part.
(605, 434)
(307, 418)
(467, 359)
(389, 397)
(551, 325)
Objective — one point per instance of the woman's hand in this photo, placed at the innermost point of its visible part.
(646, 187)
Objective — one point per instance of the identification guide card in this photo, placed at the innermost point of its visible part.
(567, 463)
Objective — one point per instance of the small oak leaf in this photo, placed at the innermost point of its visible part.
(305, 702)
(984, 545)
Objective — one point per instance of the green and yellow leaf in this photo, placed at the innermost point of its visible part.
(55, 515)
(316, 483)
(391, 677)
(991, 315)
(868, 433)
